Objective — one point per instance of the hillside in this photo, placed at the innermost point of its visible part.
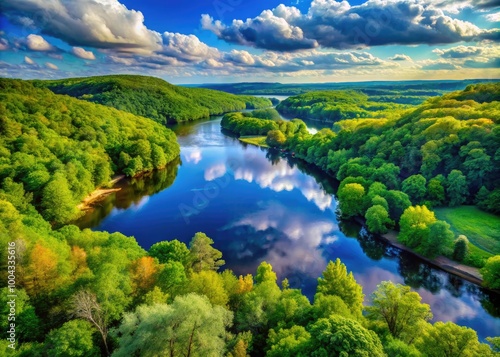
(54, 149)
(335, 105)
(402, 92)
(152, 97)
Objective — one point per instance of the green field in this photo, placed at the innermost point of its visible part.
(481, 228)
(254, 140)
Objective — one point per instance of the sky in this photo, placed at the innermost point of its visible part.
(215, 41)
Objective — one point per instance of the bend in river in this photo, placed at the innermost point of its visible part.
(259, 206)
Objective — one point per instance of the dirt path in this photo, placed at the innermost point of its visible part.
(98, 194)
(464, 271)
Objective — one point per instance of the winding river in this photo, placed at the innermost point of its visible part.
(259, 206)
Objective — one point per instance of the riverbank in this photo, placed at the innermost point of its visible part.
(254, 140)
(99, 194)
(466, 272)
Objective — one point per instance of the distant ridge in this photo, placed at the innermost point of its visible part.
(152, 97)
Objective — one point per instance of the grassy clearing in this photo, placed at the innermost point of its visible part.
(254, 140)
(481, 228)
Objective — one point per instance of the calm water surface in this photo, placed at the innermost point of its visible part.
(259, 206)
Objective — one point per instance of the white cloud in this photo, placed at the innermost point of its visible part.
(334, 24)
(38, 43)
(495, 17)
(106, 24)
(82, 53)
(28, 60)
(51, 66)
(400, 57)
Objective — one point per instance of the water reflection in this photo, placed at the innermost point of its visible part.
(262, 206)
(134, 194)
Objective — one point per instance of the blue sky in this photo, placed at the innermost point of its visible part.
(209, 41)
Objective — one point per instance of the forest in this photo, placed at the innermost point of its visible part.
(86, 293)
(395, 170)
(55, 150)
(152, 97)
(401, 92)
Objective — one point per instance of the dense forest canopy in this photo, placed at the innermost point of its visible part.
(394, 169)
(54, 149)
(153, 97)
(332, 106)
(85, 293)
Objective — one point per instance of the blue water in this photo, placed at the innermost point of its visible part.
(259, 206)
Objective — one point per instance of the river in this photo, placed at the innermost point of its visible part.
(259, 206)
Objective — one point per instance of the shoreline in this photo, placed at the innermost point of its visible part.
(99, 194)
(471, 274)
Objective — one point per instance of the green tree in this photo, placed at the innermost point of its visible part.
(435, 192)
(202, 255)
(399, 309)
(191, 326)
(72, 339)
(414, 225)
(172, 250)
(439, 241)
(351, 198)
(457, 189)
(210, 284)
(450, 340)
(461, 248)
(57, 200)
(265, 273)
(287, 342)
(377, 219)
(275, 138)
(398, 201)
(491, 272)
(336, 281)
(171, 276)
(338, 336)
(414, 187)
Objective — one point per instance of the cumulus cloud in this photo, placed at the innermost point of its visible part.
(431, 65)
(28, 60)
(51, 66)
(38, 43)
(459, 52)
(495, 17)
(266, 31)
(82, 53)
(339, 25)
(400, 57)
(187, 47)
(105, 24)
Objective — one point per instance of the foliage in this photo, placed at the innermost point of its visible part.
(336, 281)
(72, 339)
(491, 272)
(340, 336)
(351, 198)
(414, 225)
(56, 149)
(377, 219)
(449, 339)
(399, 309)
(191, 326)
(333, 106)
(461, 248)
(152, 97)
